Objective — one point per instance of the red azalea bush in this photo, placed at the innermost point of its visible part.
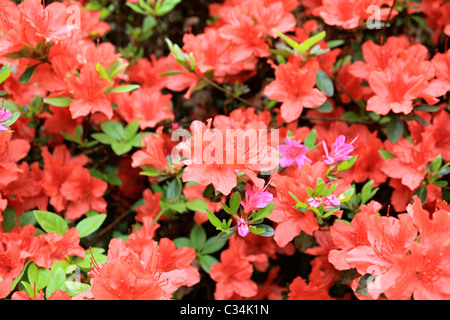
(252, 149)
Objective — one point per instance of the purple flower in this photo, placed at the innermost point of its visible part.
(256, 198)
(339, 150)
(292, 152)
(314, 202)
(331, 201)
(242, 227)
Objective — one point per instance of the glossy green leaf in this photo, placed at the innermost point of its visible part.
(51, 222)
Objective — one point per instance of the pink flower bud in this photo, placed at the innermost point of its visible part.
(314, 202)
(242, 227)
(331, 201)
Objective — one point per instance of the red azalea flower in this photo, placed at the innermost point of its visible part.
(88, 92)
(83, 193)
(55, 247)
(299, 290)
(131, 276)
(232, 275)
(148, 105)
(294, 87)
(173, 258)
(25, 192)
(150, 208)
(11, 266)
(11, 151)
(153, 152)
(409, 163)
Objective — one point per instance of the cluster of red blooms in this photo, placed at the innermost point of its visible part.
(407, 252)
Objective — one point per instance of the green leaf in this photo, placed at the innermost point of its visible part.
(421, 22)
(309, 43)
(324, 83)
(58, 101)
(40, 276)
(212, 245)
(347, 164)
(428, 108)
(16, 280)
(51, 222)
(90, 225)
(262, 230)
(11, 120)
(150, 171)
(183, 242)
(440, 183)
(320, 187)
(4, 73)
(386, 154)
(26, 76)
(347, 276)
(294, 44)
(60, 264)
(207, 261)
(330, 190)
(435, 165)
(58, 281)
(335, 43)
(213, 219)
(351, 115)
(135, 8)
(310, 140)
(75, 288)
(174, 190)
(121, 147)
(225, 235)
(103, 138)
(170, 73)
(347, 195)
(395, 129)
(264, 212)
(29, 289)
(421, 120)
(421, 193)
(116, 67)
(113, 128)
(198, 237)
(9, 219)
(197, 205)
(167, 6)
(366, 191)
(130, 130)
(103, 73)
(235, 202)
(125, 88)
(226, 208)
(304, 241)
(326, 107)
(26, 218)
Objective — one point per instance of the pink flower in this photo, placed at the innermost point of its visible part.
(339, 150)
(293, 151)
(4, 115)
(314, 201)
(242, 227)
(256, 198)
(331, 201)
